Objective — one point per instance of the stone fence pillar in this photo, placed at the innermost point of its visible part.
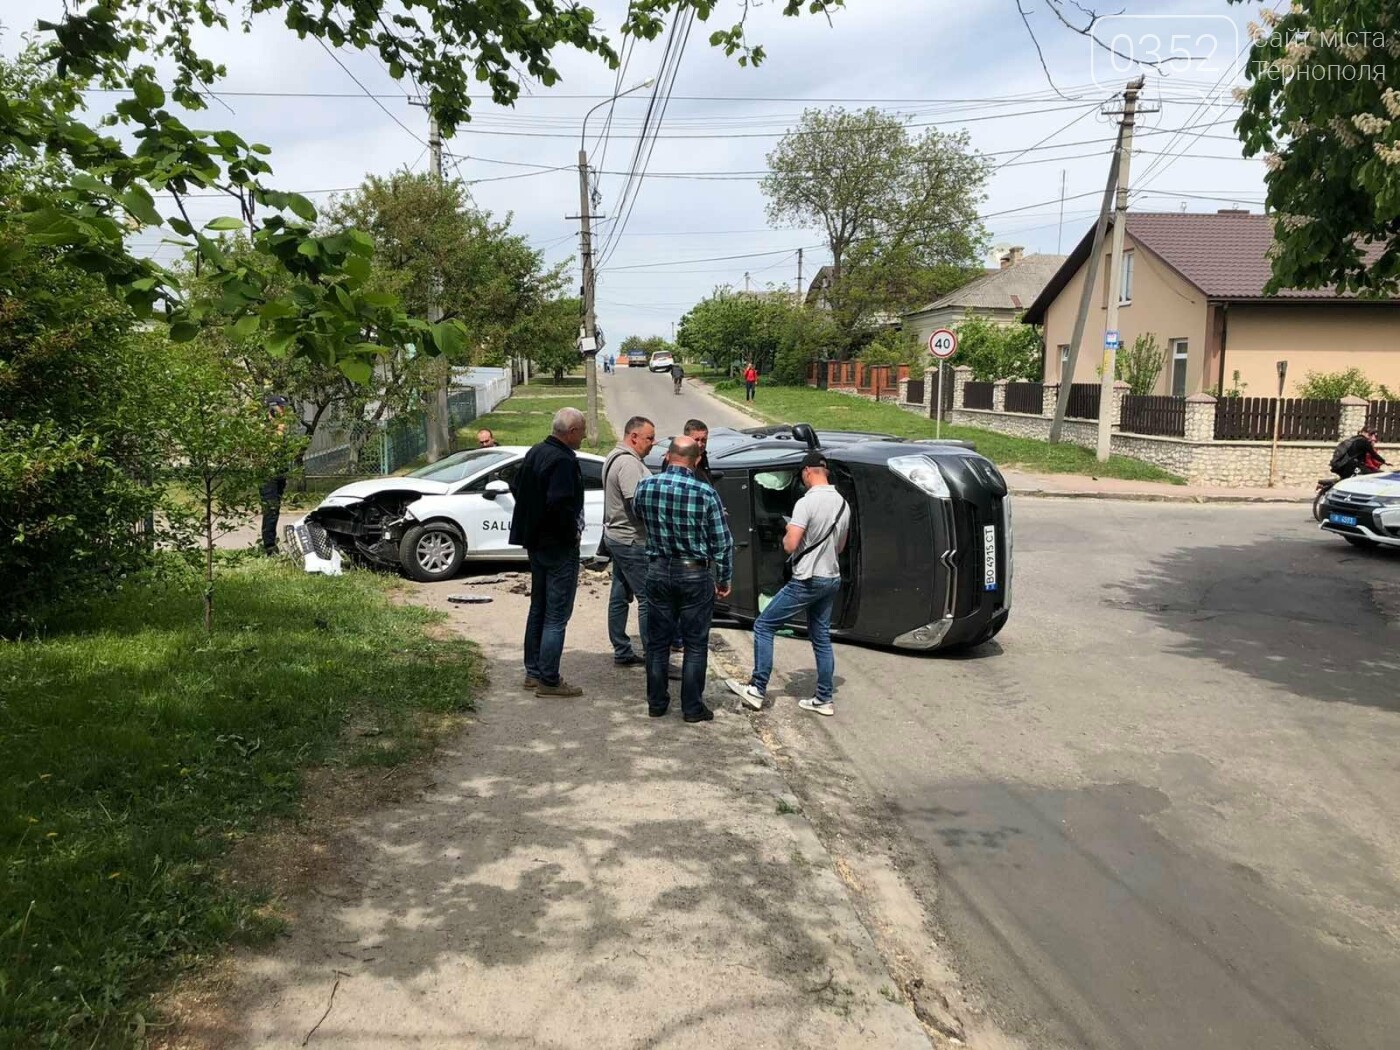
(1050, 397)
(903, 390)
(999, 395)
(1354, 411)
(1200, 418)
(930, 389)
(962, 375)
(1120, 391)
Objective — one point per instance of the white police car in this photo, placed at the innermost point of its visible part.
(430, 521)
(1365, 510)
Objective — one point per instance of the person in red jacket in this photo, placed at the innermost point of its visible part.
(750, 381)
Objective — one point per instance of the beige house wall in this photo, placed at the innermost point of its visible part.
(1316, 338)
(1164, 304)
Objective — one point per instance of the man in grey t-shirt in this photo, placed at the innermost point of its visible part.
(816, 535)
(625, 536)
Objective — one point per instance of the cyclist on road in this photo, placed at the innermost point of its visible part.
(677, 374)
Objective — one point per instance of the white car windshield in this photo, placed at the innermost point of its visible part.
(461, 465)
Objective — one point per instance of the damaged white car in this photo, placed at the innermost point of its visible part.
(430, 521)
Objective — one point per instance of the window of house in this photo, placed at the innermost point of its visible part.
(1064, 359)
(1178, 367)
(1125, 279)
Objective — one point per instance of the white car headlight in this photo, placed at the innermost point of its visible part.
(922, 473)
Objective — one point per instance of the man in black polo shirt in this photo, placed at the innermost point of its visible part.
(548, 522)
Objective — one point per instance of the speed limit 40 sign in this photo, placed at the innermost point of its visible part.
(943, 343)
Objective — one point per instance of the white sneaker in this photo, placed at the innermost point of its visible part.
(817, 707)
(751, 695)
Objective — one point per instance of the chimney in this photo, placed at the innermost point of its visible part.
(1012, 257)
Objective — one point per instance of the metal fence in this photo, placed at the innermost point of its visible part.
(977, 395)
(358, 448)
(1083, 401)
(1252, 419)
(914, 392)
(1028, 398)
(1385, 417)
(1160, 416)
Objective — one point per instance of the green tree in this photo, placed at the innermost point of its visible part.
(548, 336)
(899, 212)
(148, 48)
(1140, 365)
(1331, 141)
(893, 346)
(729, 328)
(648, 345)
(995, 351)
(1333, 386)
(806, 336)
(225, 445)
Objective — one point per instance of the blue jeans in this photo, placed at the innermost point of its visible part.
(684, 598)
(629, 580)
(818, 596)
(748, 391)
(553, 584)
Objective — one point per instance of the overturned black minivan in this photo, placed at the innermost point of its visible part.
(928, 565)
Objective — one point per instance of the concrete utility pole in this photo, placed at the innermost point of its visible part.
(799, 276)
(1115, 269)
(439, 414)
(588, 344)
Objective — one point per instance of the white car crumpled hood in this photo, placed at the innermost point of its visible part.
(360, 490)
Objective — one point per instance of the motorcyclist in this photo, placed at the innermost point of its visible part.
(1357, 455)
(677, 374)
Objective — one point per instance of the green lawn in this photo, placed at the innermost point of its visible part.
(524, 418)
(135, 750)
(826, 409)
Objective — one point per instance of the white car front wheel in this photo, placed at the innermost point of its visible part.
(432, 552)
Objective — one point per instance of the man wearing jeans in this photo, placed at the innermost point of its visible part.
(816, 535)
(548, 522)
(626, 536)
(687, 540)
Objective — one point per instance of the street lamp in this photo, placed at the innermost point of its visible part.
(588, 340)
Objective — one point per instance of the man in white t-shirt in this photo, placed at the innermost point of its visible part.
(816, 535)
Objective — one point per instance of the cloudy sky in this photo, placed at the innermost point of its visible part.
(696, 220)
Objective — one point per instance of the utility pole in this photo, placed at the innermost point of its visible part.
(799, 276)
(1115, 269)
(588, 344)
(439, 416)
(746, 282)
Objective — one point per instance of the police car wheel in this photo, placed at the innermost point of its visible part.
(431, 552)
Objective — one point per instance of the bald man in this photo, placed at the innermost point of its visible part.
(691, 559)
(548, 523)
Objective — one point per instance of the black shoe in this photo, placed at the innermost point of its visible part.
(632, 660)
(705, 715)
(656, 712)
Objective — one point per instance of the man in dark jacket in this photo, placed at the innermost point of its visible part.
(548, 522)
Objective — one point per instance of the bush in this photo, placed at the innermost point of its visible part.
(893, 347)
(1333, 386)
(78, 441)
(1140, 366)
(996, 351)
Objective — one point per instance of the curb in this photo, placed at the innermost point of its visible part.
(1160, 497)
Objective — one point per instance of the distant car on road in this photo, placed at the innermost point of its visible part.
(636, 358)
(430, 521)
(1365, 510)
(928, 564)
(661, 361)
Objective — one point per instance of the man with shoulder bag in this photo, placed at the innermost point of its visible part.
(816, 535)
(624, 536)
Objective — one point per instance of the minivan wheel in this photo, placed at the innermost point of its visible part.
(432, 552)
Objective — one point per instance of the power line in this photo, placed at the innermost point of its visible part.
(416, 137)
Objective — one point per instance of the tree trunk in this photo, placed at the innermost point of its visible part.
(208, 557)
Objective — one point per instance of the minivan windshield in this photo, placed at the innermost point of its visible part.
(461, 465)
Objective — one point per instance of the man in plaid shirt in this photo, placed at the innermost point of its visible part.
(687, 536)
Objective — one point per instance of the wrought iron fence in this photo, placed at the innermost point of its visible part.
(1028, 398)
(1252, 419)
(1160, 416)
(360, 448)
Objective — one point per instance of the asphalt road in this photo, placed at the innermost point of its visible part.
(636, 391)
(1162, 810)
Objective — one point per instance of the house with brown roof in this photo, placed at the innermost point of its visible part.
(1001, 295)
(1196, 282)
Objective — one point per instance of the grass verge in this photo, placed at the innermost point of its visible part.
(135, 750)
(835, 411)
(523, 419)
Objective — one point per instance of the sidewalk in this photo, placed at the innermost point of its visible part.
(1080, 486)
(578, 875)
